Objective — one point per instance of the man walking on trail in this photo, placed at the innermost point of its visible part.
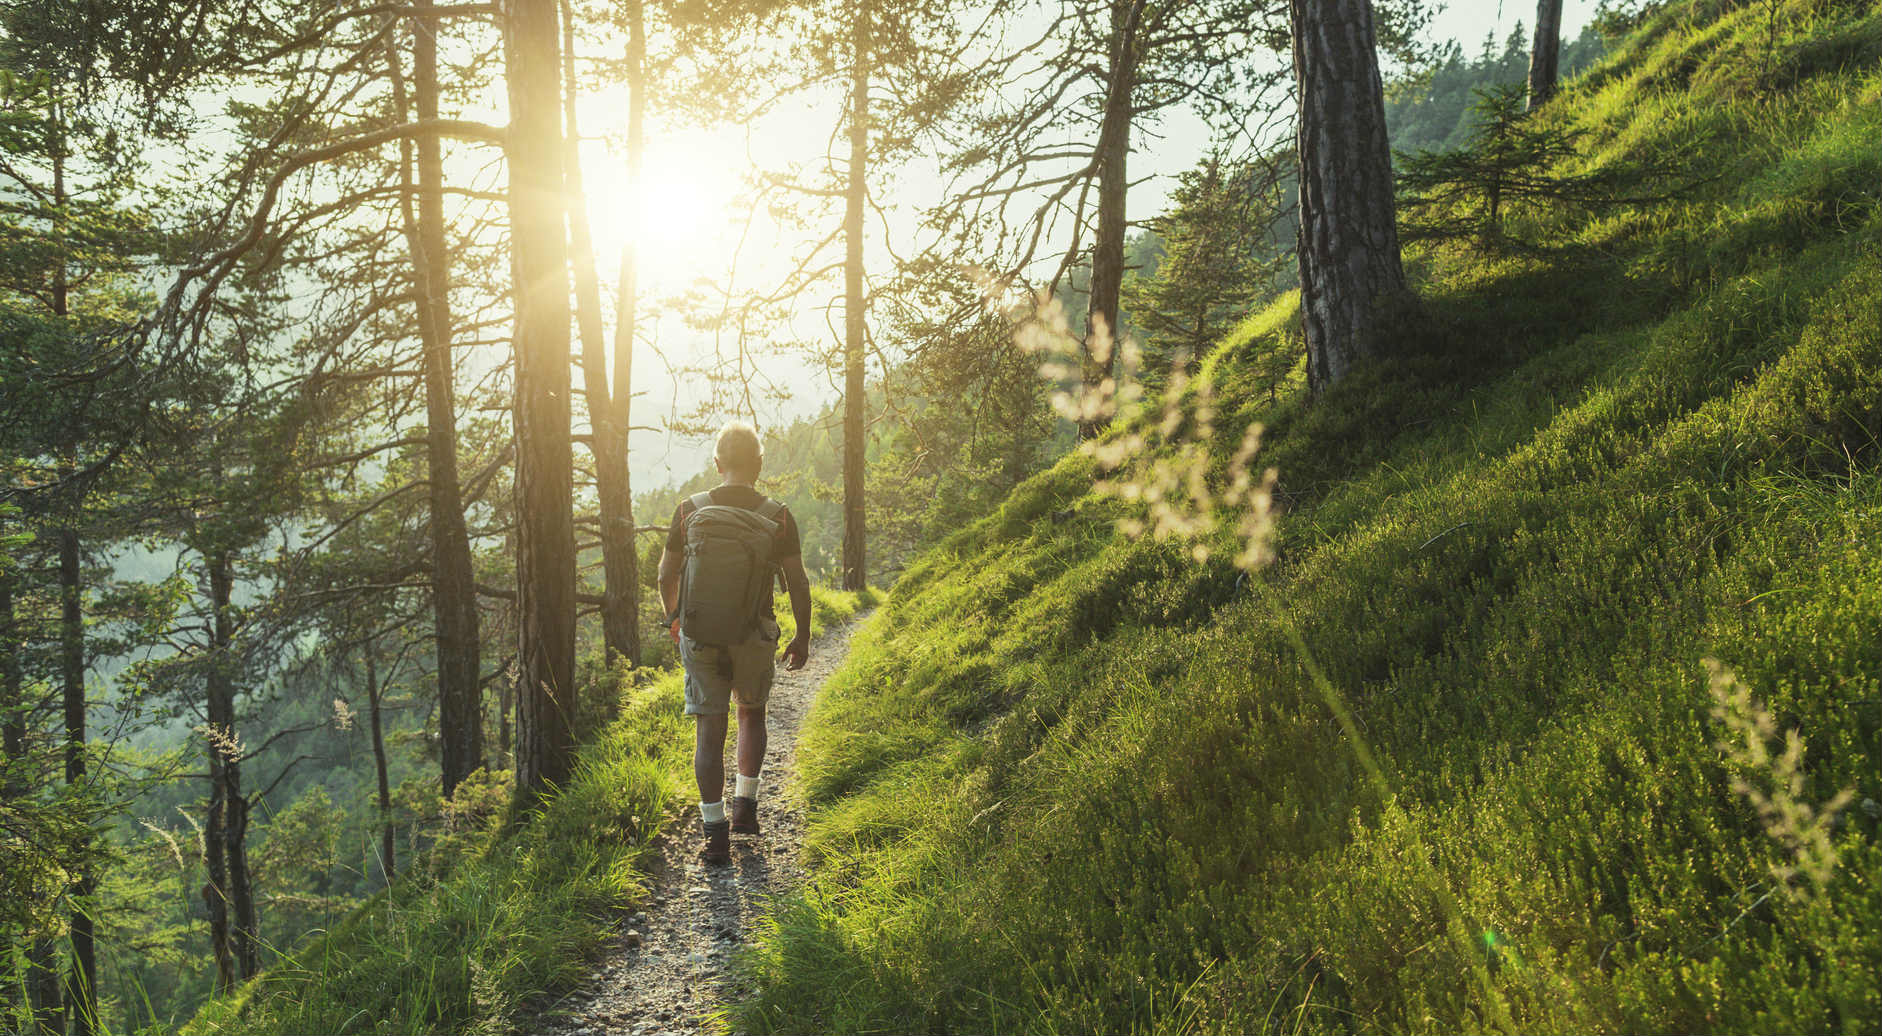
(724, 550)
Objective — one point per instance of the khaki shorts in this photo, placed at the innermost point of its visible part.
(713, 673)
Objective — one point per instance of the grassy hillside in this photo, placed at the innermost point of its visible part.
(1074, 782)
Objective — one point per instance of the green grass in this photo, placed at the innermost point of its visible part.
(499, 916)
(1071, 782)
(518, 912)
(827, 606)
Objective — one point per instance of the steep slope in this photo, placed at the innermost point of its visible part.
(1070, 781)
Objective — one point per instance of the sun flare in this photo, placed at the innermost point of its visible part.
(676, 218)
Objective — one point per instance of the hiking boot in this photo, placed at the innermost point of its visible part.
(744, 815)
(718, 848)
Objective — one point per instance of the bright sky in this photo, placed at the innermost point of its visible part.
(691, 227)
(1467, 20)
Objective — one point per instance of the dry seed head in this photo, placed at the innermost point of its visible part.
(1173, 491)
(222, 741)
(1774, 784)
(176, 849)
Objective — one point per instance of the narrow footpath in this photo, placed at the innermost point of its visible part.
(667, 968)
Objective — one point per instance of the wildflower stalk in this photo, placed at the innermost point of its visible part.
(1773, 782)
(1173, 492)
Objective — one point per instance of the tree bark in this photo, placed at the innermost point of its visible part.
(545, 527)
(1107, 253)
(620, 608)
(617, 500)
(453, 582)
(215, 860)
(453, 579)
(1351, 279)
(81, 994)
(229, 894)
(388, 859)
(42, 988)
(856, 196)
(1545, 55)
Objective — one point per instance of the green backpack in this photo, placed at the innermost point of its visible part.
(728, 571)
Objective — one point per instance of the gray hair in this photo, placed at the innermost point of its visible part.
(738, 448)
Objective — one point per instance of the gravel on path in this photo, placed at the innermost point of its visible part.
(667, 967)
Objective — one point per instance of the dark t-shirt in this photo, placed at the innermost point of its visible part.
(787, 545)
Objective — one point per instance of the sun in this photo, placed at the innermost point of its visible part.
(676, 217)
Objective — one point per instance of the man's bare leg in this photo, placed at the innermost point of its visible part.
(751, 759)
(709, 758)
(751, 740)
(709, 772)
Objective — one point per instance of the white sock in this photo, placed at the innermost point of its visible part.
(712, 812)
(747, 787)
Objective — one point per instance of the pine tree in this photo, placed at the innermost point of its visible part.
(1215, 266)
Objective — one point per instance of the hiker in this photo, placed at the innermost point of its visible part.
(724, 549)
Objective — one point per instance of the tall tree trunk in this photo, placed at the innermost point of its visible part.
(855, 570)
(42, 988)
(1351, 280)
(229, 894)
(617, 499)
(545, 528)
(81, 994)
(1107, 253)
(453, 583)
(388, 860)
(620, 604)
(1545, 55)
(215, 849)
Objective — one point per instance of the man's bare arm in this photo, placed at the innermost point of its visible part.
(670, 587)
(797, 583)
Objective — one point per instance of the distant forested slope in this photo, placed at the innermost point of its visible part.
(1429, 108)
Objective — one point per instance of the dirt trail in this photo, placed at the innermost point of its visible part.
(667, 968)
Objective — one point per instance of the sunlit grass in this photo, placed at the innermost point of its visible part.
(510, 918)
(1451, 763)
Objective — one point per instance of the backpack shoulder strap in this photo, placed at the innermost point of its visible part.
(700, 500)
(771, 509)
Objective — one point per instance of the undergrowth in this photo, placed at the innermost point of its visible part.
(1072, 781)
(506, 912)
